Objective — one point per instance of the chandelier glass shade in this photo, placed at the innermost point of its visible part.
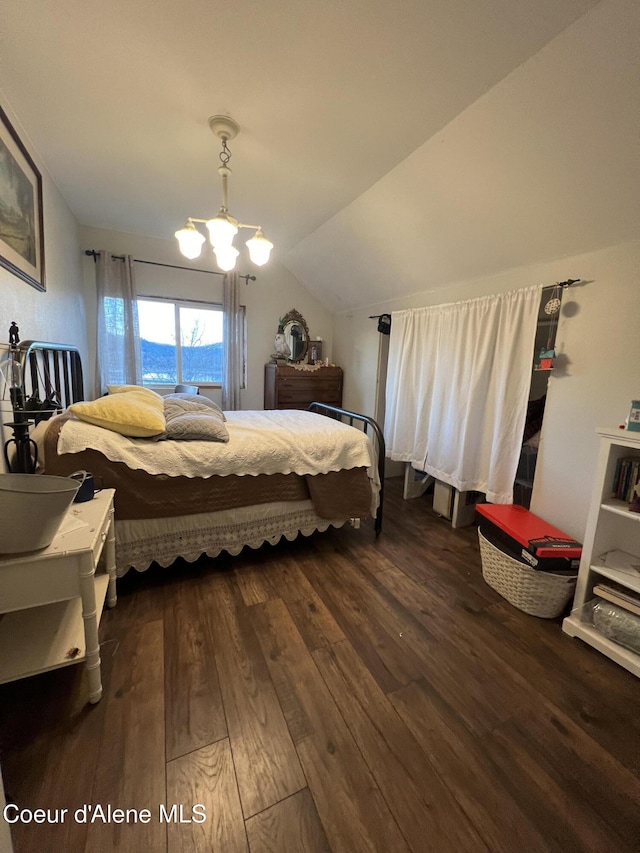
(223, 227)
(190, 241)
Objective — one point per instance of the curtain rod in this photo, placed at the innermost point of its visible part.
(563, 284)
(92, 253)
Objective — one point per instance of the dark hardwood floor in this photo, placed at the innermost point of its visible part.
(336, 693)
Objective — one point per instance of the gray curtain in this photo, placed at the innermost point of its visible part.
(118, 360)
(232, 353)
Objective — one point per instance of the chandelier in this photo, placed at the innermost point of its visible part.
(223, 227)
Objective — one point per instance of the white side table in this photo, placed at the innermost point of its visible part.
(52, 599)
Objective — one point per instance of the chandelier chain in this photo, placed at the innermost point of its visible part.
(223, 227)
(225, 154)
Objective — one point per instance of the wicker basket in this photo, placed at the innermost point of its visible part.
(537, 593)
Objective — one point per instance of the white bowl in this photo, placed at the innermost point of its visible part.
(32, 507)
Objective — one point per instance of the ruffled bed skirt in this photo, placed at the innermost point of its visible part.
(141, 542)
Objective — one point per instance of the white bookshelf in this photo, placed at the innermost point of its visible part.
(611, 527)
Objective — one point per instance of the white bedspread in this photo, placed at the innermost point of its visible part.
(260, 442)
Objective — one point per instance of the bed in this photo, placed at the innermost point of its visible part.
(281, 473)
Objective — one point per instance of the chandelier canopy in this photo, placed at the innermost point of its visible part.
(223, 227)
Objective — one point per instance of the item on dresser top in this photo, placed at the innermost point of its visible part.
(314, 351)
(280, 344)
(32, 507)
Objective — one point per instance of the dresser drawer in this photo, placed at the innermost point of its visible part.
(288, 388)
(293, 391)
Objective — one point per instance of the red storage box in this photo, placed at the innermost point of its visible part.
(528, 538)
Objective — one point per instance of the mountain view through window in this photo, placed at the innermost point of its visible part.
(180, 342)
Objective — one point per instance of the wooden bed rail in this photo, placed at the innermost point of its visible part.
(379, 445)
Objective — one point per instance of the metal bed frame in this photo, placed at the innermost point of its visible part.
(379, 445)
(50, 380)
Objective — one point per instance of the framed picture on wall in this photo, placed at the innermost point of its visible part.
(21, 225)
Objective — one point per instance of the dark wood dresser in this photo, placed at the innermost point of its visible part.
(288, 388)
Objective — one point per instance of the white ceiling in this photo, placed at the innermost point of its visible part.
(331, 97)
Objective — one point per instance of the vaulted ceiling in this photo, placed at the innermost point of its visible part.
(385, 148)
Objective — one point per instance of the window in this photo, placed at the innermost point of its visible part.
(181, 342)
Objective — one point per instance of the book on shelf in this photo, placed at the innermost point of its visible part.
(629, 564)
(619, 596)
(625, 478)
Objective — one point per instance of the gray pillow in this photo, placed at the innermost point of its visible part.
(200, 401)
(188, 420)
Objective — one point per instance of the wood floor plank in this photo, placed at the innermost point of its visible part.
(131, 767)
(266, 763)
(496, 691)
(140, 599)
(206, 778)
(368, 621)
(460, 763)
(433, 553)
(194, 711)
(252, 574)
(352, 809)
(575, 678)
(287, 581)
(346, 611)
(46, 725)
(291, 826)
(420, 802)
(367, 555)
(447, 574)
(315, 623)
(546, 745)
(459, 676)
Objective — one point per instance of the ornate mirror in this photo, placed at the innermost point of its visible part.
(296, 333)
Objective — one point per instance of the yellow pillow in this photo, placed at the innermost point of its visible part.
(136, 412)
(120, 389)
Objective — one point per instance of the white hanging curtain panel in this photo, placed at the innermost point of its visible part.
(118, 359)
(457, 389)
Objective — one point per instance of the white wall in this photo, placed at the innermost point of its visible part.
(544, 165)
(59, 314)
(274, 292)
(599, 343)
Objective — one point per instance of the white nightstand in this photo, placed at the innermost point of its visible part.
(52, 599)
